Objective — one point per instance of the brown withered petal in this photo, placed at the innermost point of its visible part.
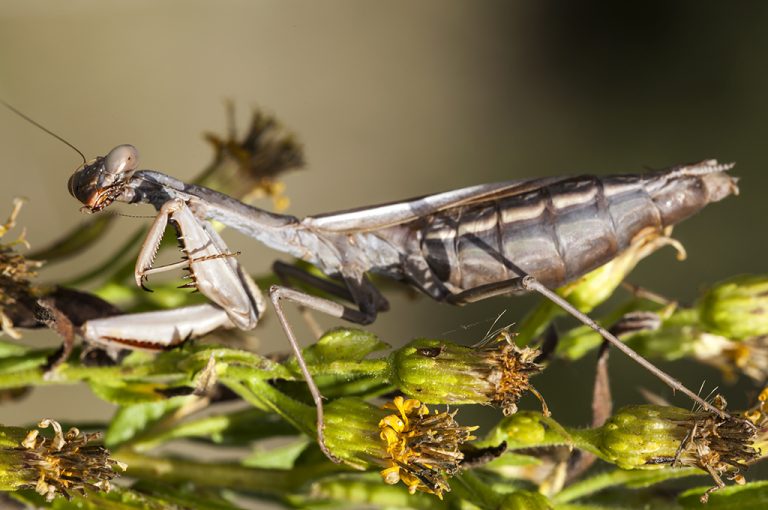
(511, 369)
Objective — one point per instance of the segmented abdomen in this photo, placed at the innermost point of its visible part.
(562, 231)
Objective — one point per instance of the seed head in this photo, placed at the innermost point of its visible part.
(67, 463)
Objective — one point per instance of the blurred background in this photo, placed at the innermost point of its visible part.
(391, 100)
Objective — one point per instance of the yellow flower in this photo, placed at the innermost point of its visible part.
(423, 449)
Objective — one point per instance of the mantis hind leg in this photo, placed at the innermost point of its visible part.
(531, 284)
(278, 294)
(287, 272)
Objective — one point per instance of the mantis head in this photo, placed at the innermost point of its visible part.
(99, 182)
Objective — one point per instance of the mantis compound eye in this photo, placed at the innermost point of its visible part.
(121, 160)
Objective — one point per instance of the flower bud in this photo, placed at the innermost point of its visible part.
(736, 308)
(526, 429)
(352, 432)
(651, 437)
(439, 372)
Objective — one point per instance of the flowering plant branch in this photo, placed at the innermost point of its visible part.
(396, 418)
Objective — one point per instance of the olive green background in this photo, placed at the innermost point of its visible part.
(395, 99)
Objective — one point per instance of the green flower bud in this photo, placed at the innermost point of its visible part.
(526, 429)
(736, 308)
(644, 435)
(652, 437)
(439, 372)
(352, 432)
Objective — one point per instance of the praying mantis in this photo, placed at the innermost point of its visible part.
(457, 247)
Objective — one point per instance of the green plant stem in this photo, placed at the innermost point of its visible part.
(223, 475)
(123, 256)
(471, 488)
(637, 478)
(264, 396)
(536, 321)
(259, 425)
(585, 439)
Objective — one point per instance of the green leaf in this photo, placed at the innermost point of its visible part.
(186, 496)
(234, 429)
(511, 459)
(130, 421)
(76, 240)
(621, 477)
(282, 457)
(125, 394)
(11, 349)
(147, 497)
(752, 496)
(525, 500)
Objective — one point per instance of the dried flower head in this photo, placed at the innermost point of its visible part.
(440, 372)
(511, 368)
(67, 463)
(719, 446)
(423, 448)
(15, 272)
(247, 168)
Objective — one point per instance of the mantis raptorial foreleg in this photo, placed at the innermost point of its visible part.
(155, 331)
(237, 301)
(213, 270)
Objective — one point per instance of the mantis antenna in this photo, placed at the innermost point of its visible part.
(45, 129)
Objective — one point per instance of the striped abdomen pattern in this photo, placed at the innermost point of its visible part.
(560, 232)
